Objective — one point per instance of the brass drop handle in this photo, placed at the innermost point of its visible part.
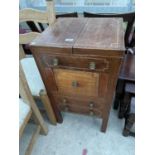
(64, 101)
(92, 65)
(91, 113)
(75, 84)
(55, 62)
(91, 105)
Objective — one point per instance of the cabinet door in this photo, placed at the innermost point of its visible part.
(79, 83)
(74, 75)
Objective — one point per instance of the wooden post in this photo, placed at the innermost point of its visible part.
(47, 105)
(21, 52)
(50, 12)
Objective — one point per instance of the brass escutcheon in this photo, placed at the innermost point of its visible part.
(74, 84)
(92, 65)
(91, 105)
(55, 62)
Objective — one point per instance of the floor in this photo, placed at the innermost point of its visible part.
(80, 135)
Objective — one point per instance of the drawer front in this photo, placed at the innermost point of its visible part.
(79, 83)
(80, 110)
(88, 103)
(91, 106)
(76, 62)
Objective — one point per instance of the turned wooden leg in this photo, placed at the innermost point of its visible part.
(129, 122)
(48, 107)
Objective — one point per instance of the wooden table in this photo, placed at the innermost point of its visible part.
(79, 61)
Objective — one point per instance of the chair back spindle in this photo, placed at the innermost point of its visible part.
(35, 16)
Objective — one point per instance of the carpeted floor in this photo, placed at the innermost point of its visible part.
(80, 135)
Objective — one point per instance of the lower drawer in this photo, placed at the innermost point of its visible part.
(80, 110)
(90, 102)
(88, 106)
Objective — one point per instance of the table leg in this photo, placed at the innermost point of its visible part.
(56, 110)
(104, 123)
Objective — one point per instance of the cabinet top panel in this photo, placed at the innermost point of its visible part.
(76, 34)
(102, 33)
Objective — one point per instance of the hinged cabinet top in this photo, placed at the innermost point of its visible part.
(72, 34)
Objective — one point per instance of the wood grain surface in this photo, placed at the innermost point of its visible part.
(87, 82)
(79, 60)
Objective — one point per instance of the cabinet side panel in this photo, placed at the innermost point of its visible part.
(46, 75)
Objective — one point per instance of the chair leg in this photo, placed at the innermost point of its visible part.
(116, 101)
(32, 142)
(129, 122)
(48, 107)
(119, 94)
(25, 123)
(25, 93)
(124, 105)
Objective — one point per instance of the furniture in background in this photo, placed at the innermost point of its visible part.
(28, 108)
(30, 69)
(73, 14)
(128, 18)
(44, 17)
(127, 74)
(129, 92)
(125, 94)
(129, 126)
(41, 28)
(79, 61)
(38, 27)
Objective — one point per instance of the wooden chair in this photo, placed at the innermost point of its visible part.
(47, 16)
(128, 18)
(41, 28)
(30, 69)
(34, 28)
(129, 92)
(28, 108)
(127, 74)
(74, 14)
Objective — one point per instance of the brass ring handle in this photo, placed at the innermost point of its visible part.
(75, 84)
(92, 65)
(91, 105)
(64, 100)
(55, 62)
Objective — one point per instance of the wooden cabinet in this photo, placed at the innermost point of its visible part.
(79, 61)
